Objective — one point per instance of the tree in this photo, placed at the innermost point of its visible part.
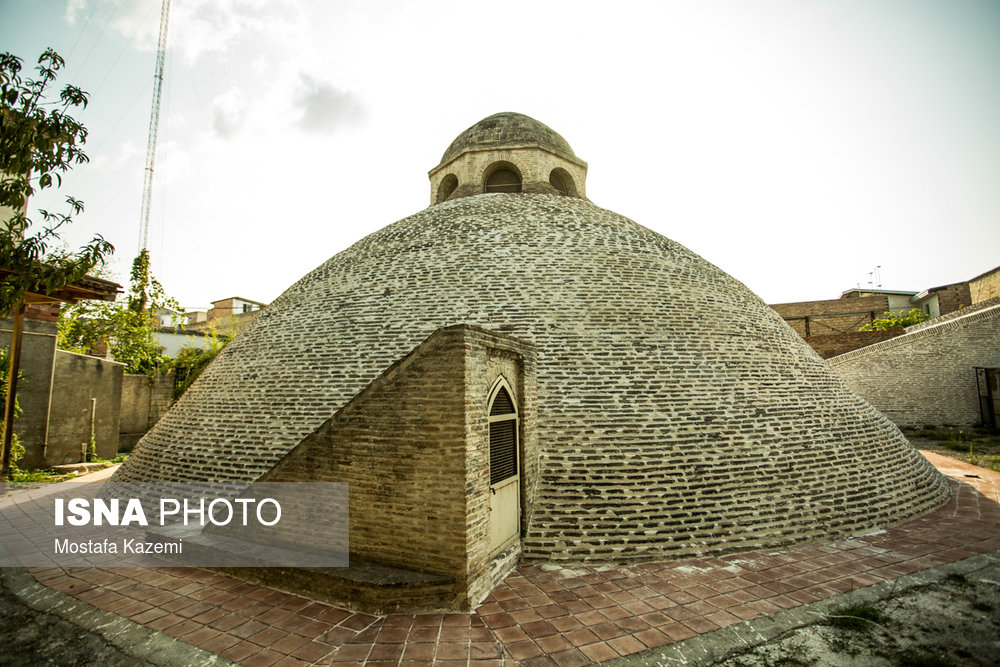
(39, 141)
(127, 327)
(896, 320)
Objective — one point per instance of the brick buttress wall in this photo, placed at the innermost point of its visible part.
(414, 448)
(927, 376)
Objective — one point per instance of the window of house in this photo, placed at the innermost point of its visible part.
(503, 179)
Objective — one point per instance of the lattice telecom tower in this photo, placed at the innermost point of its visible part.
(154, 122)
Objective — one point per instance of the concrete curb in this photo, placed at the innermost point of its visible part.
(129, 637)
(710, 648)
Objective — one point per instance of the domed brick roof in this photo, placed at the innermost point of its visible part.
(676, 412)
(508, 130)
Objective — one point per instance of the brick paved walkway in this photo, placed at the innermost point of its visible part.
(543, 615)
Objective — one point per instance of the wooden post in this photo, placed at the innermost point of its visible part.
(11, 398)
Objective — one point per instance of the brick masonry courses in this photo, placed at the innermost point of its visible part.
(927, 376)
(677, 413)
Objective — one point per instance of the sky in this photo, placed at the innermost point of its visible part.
(796, 145)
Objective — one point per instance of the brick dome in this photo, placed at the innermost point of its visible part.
(677, 413)
(508, 130)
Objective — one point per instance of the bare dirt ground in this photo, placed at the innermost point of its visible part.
(952, 623)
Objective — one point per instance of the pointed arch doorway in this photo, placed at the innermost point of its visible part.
(505, 488)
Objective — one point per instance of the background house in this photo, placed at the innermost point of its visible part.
(831, 327)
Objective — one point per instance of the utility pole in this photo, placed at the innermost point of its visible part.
(154, 123)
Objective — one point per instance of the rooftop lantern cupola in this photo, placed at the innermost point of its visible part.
(508, 152)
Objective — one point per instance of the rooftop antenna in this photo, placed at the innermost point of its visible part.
(154, 122)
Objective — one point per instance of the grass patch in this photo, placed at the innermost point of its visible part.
(924, 658)
(860, 616)
(959, 579)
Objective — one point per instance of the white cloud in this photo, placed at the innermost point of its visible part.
(324, 106)
(228, 113)
(74, 7)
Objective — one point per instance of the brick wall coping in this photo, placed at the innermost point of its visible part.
(911, 335)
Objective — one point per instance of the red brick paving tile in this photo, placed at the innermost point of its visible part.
(240, 651)
(591, 618)
(576, 606)
(626, 645)
(392, 635)
(265, 658)
(723, 618)
(489, 608)
(480, 635)
(337, 635)
(149, 615)
(499, 620)
(744, 613)
(227, 622)
(452, 651)
(581, 637)
(248, 628)
(295, 623)
(485, 651)
(652, 638)
(311, 629)
(599, 652)
(637, 607)
(764, 606)
(391, 652)
(237, 603)
(399, 621)
(510, 634)
(288, 644)
(677, 631)
(296, 603)
(538, 629)
(551, 610)
(367, 636)
(526, 616)
(514, 604)
(615, 613)
(312, 651)
(701, 625)
(219, 643)
(163, 622)
(358, 621)
(523, 650)
(289, 661)
(682, 597)
(182, 628)
(553, 644)
(454, 634)
(200, 636)
(332, 615)
(272, 615)
(500, 594)
(210, 615)
(425, 634)
(783, 601)
(428, 620)
(599, 601)
(566, 623)
(423, 652)
(607, 630)
(571, 658)
(267, 636)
